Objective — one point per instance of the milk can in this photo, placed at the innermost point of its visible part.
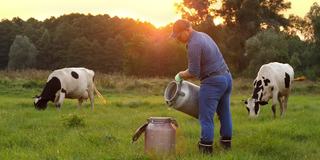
(160, 135)
(183, 96)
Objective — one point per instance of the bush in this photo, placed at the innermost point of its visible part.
(74, 121)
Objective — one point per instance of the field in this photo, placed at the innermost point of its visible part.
(105, 133)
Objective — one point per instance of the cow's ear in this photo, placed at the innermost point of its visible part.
(36, 96)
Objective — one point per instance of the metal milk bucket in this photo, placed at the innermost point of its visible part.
(183, 96)
(160, 135)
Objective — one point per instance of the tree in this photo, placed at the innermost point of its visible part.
(246, 14)
(254, 13)
(64, 34)
(22, 53)
(6, 40)
(45, 56)
(306, 26)
(114, 54)
(296, 51)
(8, 32)
(136, 56)
(80, 52)
(245, 18)
(313, 19)
(196, 11)
(267, 46)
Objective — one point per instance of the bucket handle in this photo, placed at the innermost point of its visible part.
(139, 131)
(175, 123)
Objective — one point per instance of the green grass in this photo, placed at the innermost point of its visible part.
(105, 133)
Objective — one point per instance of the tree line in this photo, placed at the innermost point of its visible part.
(102, 43)
(254, 32)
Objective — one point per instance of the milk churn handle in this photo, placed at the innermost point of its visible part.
(139, 131)
(180, 82)
(169, 103)
(174, 122)
(179, 89)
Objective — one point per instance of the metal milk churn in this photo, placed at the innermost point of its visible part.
(183, 96)
(160, 135)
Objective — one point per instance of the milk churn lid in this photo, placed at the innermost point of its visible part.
(160, 120)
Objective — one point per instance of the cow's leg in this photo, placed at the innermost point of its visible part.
(56, 101)
(274, 102)
(285, 103)
(80, 100)
(91, 97)
(60, 100)
(274, 110)
(280, 99)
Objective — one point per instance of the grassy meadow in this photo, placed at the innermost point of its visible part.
(106, 132)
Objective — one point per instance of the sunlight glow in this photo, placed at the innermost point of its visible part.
(158, 12)
(218, 21)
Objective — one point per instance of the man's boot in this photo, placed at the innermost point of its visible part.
(225, 142)
(205, 147)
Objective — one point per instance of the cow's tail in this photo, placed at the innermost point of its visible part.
(301, 78)
(104, 101)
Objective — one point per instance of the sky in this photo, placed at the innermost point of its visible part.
(158, 12)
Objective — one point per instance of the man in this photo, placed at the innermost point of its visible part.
(206, 63)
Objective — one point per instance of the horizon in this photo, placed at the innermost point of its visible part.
(158, 13)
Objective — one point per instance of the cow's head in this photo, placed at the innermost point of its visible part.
(262, 92)
(253, 106)
(48, 93)
(40, 103)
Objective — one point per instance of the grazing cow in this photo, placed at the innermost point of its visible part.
(274, 81)
(73, 83)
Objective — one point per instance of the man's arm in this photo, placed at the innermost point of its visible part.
(186, 74)
(193, 71)
(194, 56)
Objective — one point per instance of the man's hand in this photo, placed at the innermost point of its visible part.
(183, 75)
(178, 78)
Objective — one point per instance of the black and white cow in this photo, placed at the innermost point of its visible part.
(274, 81)
(73, 83)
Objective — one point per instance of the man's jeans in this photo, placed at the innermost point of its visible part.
(214, 96)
